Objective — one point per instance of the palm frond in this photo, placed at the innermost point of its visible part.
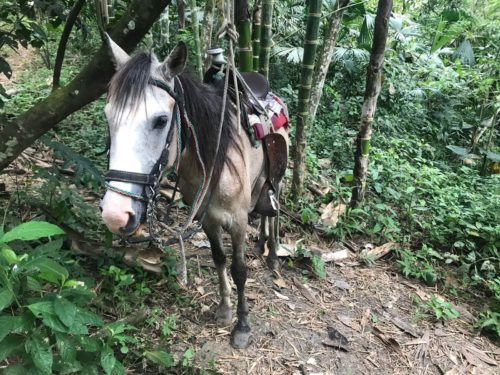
(465, 53)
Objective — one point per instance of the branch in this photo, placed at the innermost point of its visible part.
(86, 87)
(61, 49)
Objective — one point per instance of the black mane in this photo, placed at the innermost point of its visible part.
(203, 106)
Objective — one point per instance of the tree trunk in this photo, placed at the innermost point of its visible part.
(372, 90)
(61, 49)
(181, 13)
(87, 86)
(256, 33)
(310, 44)
(325, 57)
(265, 37)
(242, 21)
(197, 42)
(208, 25)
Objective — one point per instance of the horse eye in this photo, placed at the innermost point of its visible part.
(160, 122)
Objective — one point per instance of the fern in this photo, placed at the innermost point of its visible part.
(86, 173)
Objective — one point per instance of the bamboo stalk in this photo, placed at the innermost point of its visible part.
(310, 46)
(256, 33)
(242, 21)
(373, 85)
(266, 37)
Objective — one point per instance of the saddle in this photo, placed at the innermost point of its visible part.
(262, 127)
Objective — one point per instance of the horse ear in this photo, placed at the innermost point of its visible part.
(119, 56)
(175, 62)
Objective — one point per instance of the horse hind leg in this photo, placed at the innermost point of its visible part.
(263, 236)
(223, 313)
(241, 336)
(272, 242)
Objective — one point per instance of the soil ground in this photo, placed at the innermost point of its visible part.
(296, 325)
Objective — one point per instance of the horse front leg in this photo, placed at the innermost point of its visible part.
(223, 314)
(241, 336)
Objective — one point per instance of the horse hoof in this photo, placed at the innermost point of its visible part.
(241, 339)
(223, 316)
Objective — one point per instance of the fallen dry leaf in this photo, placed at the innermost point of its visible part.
(365, 319)
(474, 356)
(332, 213)
(379, 251)
(304, 290)
(400, 323)
(281, 296)
(279, 282)
(336, 340)
(388, 341)
(346, 320)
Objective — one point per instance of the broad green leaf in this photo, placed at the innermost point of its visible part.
(65, 310)
(41, 353)
(6, 298)
(38, 308)
(53, 322)
(160, 357)
(66, 348)
(108, 359)
(118, 369)
(33, 284)
(10, 324)
(90, 369)
(50, 249)
(31, 230)
(16, 370)
(89, 344)
(9, 255)
(51, 270)
(10, 345)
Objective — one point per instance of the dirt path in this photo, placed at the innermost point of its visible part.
(296, 327)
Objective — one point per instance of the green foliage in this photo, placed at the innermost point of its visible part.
(417, 265)
(45, 319)
(317, 264)
(441, 309)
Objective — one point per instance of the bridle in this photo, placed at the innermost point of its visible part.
(151, 181)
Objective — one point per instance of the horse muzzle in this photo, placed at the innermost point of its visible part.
(122, 214)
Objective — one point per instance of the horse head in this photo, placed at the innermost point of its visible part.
(141, 115)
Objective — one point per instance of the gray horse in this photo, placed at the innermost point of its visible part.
(144, 100)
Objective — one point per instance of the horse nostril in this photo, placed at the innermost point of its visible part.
(131, 224)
